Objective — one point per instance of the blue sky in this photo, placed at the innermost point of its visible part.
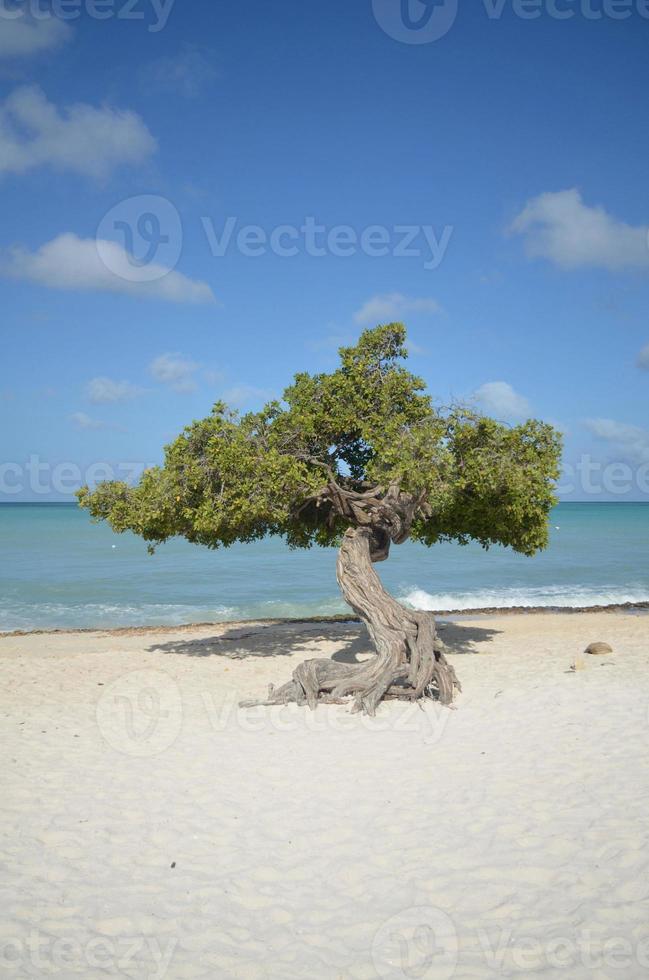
(506, 158)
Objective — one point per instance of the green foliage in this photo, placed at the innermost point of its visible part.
(368, 425)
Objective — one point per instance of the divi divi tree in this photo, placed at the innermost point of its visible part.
(361, 459)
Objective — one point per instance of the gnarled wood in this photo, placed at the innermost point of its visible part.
(409, 662)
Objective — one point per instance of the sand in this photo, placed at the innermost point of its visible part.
(150, 828)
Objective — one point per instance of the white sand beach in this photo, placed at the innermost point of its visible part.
(151, 828)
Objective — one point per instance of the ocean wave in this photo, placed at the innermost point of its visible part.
(279, 609)
(55, 615)
(16, 615)
(507, 598)
(21, 615)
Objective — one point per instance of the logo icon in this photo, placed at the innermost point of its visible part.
(141, 238)
(418, 943)
(140, 713)
(415, 21)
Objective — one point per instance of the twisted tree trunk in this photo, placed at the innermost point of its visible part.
(409, 664)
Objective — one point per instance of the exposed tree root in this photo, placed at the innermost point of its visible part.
(410, 662)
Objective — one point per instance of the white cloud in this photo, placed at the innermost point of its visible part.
(561, 228)
(175, 371)
(103, 391)
(70, 262)
(82, 138)
(186, 73)
(242, 394)
(25, 35)
(330, 343)
(414, 348)
(626, 441)
(500, 399)
(393, 306)
(212, 376)
(83, 421)
(643, 358)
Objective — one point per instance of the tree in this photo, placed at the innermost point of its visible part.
(361, 459)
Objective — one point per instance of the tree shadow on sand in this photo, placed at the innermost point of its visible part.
(350, 640)
(462, 639)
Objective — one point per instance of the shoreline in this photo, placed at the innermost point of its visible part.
(633, 608)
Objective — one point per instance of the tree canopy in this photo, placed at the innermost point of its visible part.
(347, 449)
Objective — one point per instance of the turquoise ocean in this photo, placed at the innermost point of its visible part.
(59, 570)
